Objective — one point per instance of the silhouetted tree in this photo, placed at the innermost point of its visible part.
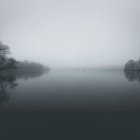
(132, 65)
(132, 70)
(139, 64)
(5, 62)
(4, 49)
(11, 63)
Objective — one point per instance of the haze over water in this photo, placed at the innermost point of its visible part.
(84, 93)
(76, 102)
(81, 90)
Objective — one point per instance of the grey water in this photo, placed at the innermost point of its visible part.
(70, 104)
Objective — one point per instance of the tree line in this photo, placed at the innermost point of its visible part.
(8, 63)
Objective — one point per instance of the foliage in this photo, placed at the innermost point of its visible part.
(30, 66)
(5, 61)
(4, 49)
(132, 65)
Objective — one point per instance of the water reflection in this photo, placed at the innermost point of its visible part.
(25, 74)
(132, 75)
(8, 81)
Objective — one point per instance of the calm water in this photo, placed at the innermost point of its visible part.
(70, 104)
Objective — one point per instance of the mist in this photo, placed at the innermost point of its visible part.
(76, 33)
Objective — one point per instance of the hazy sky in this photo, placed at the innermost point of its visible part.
(72, 33)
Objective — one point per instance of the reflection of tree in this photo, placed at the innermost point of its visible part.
(132, 75)
(7, 83)
(28, 74)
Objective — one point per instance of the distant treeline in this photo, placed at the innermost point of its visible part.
(132, 65)
(8, 63)
(33, 66)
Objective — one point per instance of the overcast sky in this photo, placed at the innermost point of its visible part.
(72, 33)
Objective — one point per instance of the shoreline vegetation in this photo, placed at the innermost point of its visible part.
(9, 63)
(12, 70)
(132, 65)
(132, 70)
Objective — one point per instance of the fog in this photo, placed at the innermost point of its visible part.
(72, 33)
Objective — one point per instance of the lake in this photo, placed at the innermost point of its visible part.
(70, 104)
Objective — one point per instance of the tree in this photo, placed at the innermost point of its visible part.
(139, 64)
(11, 63)
(5, 61)
(132, 65)
(4, 49)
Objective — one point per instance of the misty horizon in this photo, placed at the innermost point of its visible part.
(71, 34)
(70, 69)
